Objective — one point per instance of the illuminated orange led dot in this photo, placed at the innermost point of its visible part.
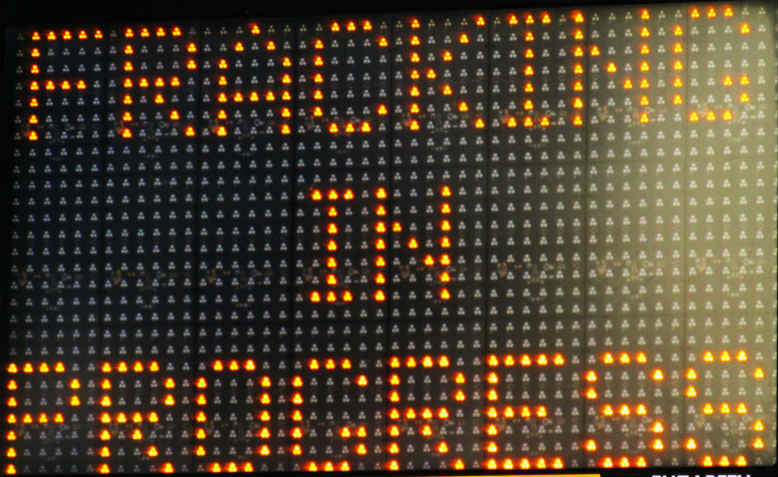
(590, 445)
(690, 444)
(442, 447)
(657, 427)
(104, 469)
(558, 359)
(459, 395)
(577, 120)
(491, 447)
(427, 362)
(591, 393)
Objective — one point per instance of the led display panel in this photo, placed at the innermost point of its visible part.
(516, 240)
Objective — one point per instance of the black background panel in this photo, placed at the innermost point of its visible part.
(526, 239)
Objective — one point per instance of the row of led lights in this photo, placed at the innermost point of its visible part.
(491, 464)
(352, 26)
(414, 125)
(427, 361)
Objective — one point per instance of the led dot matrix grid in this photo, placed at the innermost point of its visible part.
(515, 240)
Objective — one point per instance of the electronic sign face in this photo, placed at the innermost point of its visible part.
(540, 239)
